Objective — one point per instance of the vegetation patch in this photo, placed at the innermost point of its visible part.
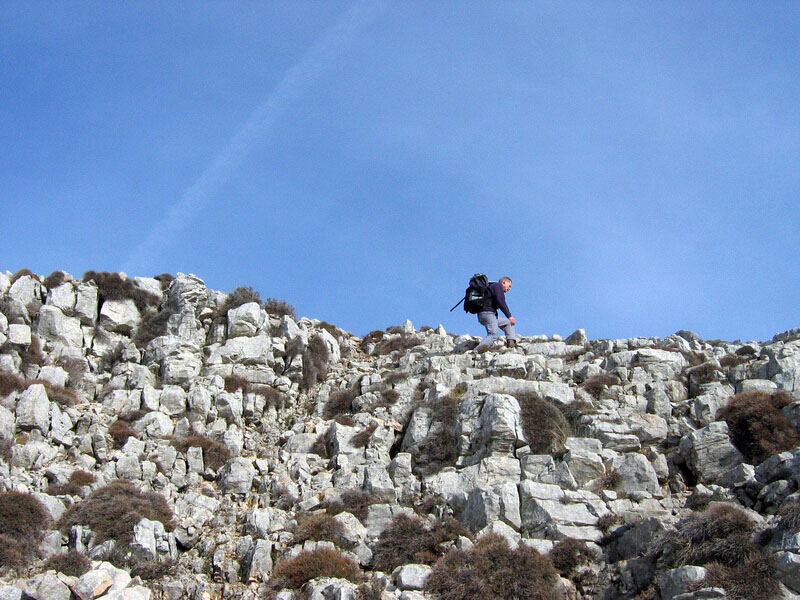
(280, 308)
(120, 430)
(354, 501)
(10, 382)
(408, 539)
(72, 563)
(153, 325)
(315, 362)
(215, 454)
(55, 279)
(294, 572)
(757, 426)
(440, 447)
(112, 286)
(77, 480)
(340, 402)
(545, 427)
(319, 527)
(596, 384)
(112, 511)
(492, 570)
(569, 554)
(23, 520)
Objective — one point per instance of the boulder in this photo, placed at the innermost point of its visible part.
(709, 452)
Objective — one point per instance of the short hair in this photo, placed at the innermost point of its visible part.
(505, 278)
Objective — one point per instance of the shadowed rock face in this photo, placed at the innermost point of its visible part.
(225, 424)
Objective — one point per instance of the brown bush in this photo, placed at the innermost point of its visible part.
(112, 511)
(33, 355)
(569, 554)
(120, 430)
(23, 518)
(23, 273)
(356, 502)
(491, 570)
(13, 554)
(215, 454)
(408, 539)
(397, 343)
(71, 563)
(9, 382)
(272, 397)
(6, 450)
(280, 308)
(77, 480)
(315, 362)
(361, 439)
(757, 426)
(597, 383)
(440, 447)
(307, 565)
(233, 383)
(340, 402)
(112, 286)
(544, 425)
(373, 337)
(319, 527)
(754, 579)
(164, 279)
(55, 279)
(153, 325)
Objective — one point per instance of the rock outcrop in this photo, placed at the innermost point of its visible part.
(232, 434)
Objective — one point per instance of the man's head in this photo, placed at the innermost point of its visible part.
(506, 283)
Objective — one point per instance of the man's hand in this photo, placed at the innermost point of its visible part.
(512, 320)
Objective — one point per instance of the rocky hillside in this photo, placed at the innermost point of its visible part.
(159, 439)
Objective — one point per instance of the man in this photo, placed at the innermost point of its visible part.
(489, 319)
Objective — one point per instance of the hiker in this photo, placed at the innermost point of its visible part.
(488, 317)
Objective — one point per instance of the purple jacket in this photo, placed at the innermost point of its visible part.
(499, 298)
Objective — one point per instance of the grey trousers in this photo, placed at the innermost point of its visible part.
(493, 324)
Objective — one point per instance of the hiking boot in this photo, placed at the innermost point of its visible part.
(511, 343)
(482, 348)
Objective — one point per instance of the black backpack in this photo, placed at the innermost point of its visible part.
(477, 297)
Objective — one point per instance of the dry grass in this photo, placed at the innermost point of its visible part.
(440, 447)
(597, 383)
(356, 502)
(120, 430)
(315, 362)
(112, 286)
(23, 521)
(569, 554)
(340, 402)
(319, 527)
(545, 427)
(754, 579)
(280, 308)
(71, 563)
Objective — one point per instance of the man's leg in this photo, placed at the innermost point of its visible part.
(507, 327)
(489, 320)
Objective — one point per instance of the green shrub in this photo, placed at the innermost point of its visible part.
(215, 454)
(280, 308)
(544, 425)
(293, 572)
(408, 539)
(71, 563)
(493, 571)
(757, 426)
(112, 511)
(112, 286)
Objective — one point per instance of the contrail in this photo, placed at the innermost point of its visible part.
(297, 78)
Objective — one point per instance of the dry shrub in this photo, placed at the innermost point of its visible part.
(112, 286)
(754, 579)
(440, 447)
(319, 527)
(373, 337)
(233, 383)
(112, 511)
(71, 563)
(356, 502)
(757, 426)
(722, 533)
(59, 394)
(77, 480)
(9, 382)
(33, 355)
(607, 521)
(280, 308)
(544, 425)
(491, 570)
(597, 383)
(215, 454)
(6, 450)
(340, 402)
(397, 343)
(164, 279)
(120, 430)
(22, 273)
(272, 397)
(361, 439)
(733, 360)
(241, 295)
(55, 279)
(153, 325)
(307, 565)
(569, 554)
(408, 539)
(13, 554)
(23, 518)
(315, 362)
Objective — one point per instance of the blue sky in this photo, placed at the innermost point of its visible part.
(633, 166)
